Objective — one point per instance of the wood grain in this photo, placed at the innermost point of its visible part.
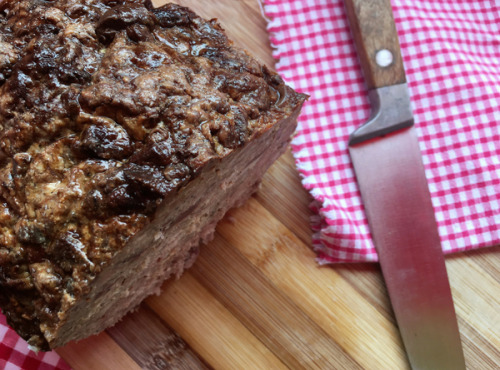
(209, 327)
(97, 352)
(256, 298)
(278, 254)
(268, 313)
(153, 344)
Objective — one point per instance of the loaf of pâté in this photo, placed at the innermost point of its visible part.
(126, 133)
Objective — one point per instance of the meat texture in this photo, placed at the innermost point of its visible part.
(126, 133)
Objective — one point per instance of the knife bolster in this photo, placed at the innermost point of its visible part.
(391, 111)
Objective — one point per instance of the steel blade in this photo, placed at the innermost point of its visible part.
(397, 202)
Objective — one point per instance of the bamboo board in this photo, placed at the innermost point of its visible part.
(256, 299)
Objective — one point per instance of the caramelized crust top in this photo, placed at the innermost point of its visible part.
(105, 108)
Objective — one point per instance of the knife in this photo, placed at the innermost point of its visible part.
(395, 194)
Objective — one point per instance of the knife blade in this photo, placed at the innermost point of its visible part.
(391, 177)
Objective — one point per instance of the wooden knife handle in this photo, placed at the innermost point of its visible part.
(376, 38)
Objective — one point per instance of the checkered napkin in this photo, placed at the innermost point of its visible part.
(15, 355)
(451, 52)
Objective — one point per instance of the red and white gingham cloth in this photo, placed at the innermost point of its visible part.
(451, 52)
(15, 355)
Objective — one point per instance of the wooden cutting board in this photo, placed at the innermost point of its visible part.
(256, 299)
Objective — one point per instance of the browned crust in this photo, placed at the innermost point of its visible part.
(107, 110)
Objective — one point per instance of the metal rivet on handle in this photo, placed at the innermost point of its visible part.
(383, 58)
